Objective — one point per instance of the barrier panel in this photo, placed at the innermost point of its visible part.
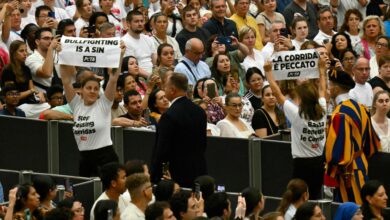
(24, 144)
(276, 166)
(138, 144)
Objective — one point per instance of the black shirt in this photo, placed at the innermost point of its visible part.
(378, 82)
(228, 28)
(184, 35)
(309, 14)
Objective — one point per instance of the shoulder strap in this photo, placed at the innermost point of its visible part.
(269, 21)
(269, 124)
(366, 49)
(189, 68)
(174, 26)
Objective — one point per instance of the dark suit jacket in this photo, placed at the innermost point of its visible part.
(181, 141)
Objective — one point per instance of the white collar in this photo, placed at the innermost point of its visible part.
(342, 97)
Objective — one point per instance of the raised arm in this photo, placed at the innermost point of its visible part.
(274, 86)
(114, 75)
(66, 75)
(322, 69)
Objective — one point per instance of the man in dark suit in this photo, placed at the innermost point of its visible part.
(181, 136)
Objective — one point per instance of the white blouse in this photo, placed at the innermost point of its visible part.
(385, 138)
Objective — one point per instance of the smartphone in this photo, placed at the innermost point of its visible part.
(52, 14)
(165, 168)
(196, 190)
(211, 90)
(68, 185)
(221, 188)
(284, 32)
(325, 41)
(332, 62)
(147, 114)
(58, 33)
(224, 40)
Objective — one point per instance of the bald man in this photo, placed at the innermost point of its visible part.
(191, 65)
(362, 92)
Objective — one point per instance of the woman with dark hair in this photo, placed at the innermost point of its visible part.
(340, 43)
(97, 19)
(19, 74)
(296, 194)
(165, 189)
(160, 25)
(255, 202)
(107, 209)
(255, 81)
(232, 125)
(232, 84)
(221, 69)
(236, 56)
(214, 105)
(92, 118)
(130, 67)
(166, 56)
(374, 199)
(352, 19)
(308, 121)
(309, 211)
(47, 190)
(269, 119)
(28, 35)
(27, 203)
(158, 105)
(348, 58)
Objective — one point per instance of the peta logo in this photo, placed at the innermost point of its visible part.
(294, 74)
(89, 59)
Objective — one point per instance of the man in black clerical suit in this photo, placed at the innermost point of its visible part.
(181, 136)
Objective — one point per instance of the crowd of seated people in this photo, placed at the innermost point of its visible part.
(224, 48)
(130, 194)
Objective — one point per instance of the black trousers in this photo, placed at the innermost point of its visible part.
(92, 160)
(311, 170)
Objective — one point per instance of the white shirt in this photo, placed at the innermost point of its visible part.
(60, 14)
(362, 93)
(142, 49)
(14, 35)
(30, 19)
(290, 212)
(91, 127)
(229, 130)
(257, 62)
(345, 5)
(79, 24)
(385, 138)
(307, 136)
(34, 62)
(374, 69)
(122, 204)
(132, 212)
(321, 36)
(354, 38)
(170, 40)
(297, 44)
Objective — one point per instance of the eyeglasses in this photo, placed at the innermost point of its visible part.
(380, 45)
(234, 105)
(13, 94)
(351, 59)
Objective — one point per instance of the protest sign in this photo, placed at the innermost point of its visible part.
(300, 64)
(90, 52)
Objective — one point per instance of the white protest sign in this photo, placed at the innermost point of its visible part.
(90, 52)
(301, 64)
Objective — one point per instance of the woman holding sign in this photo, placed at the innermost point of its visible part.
(92, 118)
(308, 128)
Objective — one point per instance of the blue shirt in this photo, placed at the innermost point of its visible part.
(198, 71)
(18, 112)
